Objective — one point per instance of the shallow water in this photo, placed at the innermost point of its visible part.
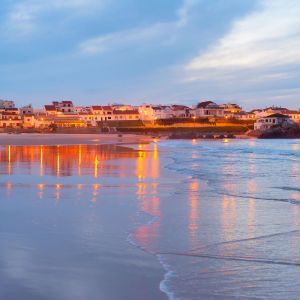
(231, 229)
(92, 222)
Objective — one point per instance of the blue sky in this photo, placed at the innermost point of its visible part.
(159, 51)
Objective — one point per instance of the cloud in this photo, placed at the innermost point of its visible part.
(165, 32)
(269, 37)
(124, 38)
(23, 17)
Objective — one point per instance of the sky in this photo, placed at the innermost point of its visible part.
(159, 51)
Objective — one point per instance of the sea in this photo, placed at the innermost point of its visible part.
(180, 219)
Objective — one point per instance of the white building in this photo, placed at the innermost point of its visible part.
(82, 109)
(268, 122)
(181, 111)
(126, 115)
(26, 110)
(294, 115)
(155, 112)
(208, 109)
(10, 118)
(65, 107)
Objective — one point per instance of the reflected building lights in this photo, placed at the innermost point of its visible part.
(79, 159)
(41, 160)
(65, 160)
(9, 187)
(9, 160)
(58, 163)
(41, 188)
(58, 191)
(96, 163)
(147, 167)
(194, 212)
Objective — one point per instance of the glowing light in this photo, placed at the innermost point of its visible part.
(41, 161)
(9, 160)
(58, 163)
(79, 160)
(193, 203)
(41, 190)
(58, 191)
(96, 163)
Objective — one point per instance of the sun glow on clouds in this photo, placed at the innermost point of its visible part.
(268, 37)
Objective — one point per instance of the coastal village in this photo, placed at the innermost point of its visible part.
(65, 114)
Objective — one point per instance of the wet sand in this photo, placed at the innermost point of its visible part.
(65, 229)
(70, 139)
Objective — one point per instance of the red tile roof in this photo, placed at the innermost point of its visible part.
(50, 108)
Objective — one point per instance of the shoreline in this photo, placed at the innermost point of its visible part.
(53, 139)
(37, 139)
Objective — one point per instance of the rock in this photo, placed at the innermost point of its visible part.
(286, 132)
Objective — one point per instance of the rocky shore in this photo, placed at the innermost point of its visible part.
(285, 132)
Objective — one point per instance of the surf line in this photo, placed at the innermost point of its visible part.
(245, 240)
(237, 258)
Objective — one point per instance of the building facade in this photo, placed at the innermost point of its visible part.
(265, 123)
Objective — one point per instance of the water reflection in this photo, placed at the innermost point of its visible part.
(63, 160)
(147, 172)
(80, 161)
(194, 211)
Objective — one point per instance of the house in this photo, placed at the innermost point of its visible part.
(90, 119)
(50, 110)
(294, 115)
(102, 113)
(208, 109)
(26, 110)
(155, 112)
(7, 104)
(181, 111)
(245, 116)
(42, 121)
(82, 109)
(64, 107)
(231, 110)
(68, 121)
(28, 120)
(126, 115)
(269, 111)
(272, 120)
(10, 118)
